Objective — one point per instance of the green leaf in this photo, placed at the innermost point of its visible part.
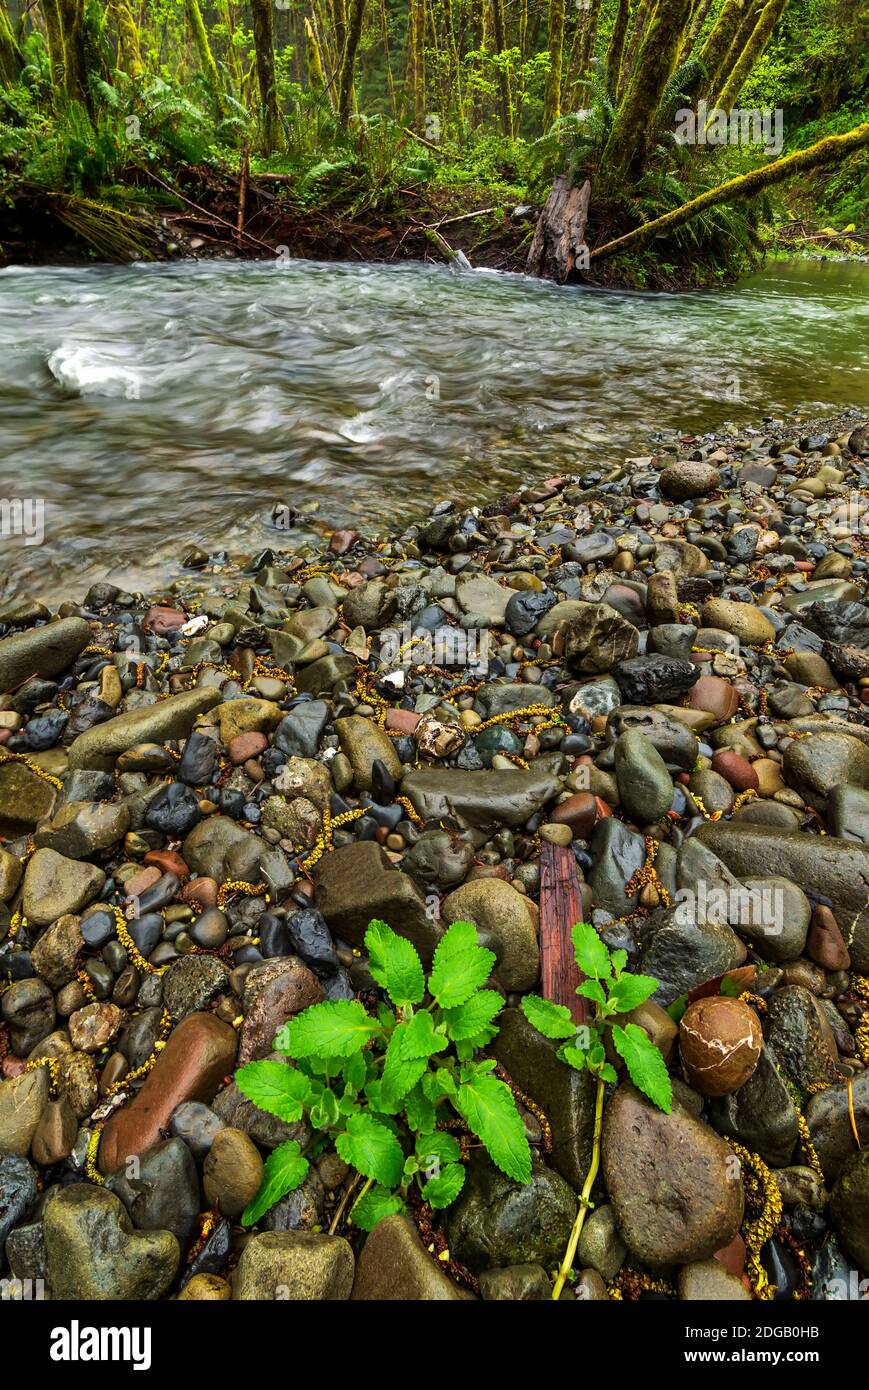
(355, 1071)
(592, 989)
(592, 956)
(421, 1038)
(677, 1008)
(326, 1113)
(372, 1149)
(441, 1191)
(618, 961)
(552, 1020)
(630, 991)
(470, 1018)
(337, 1028)
(488, 1108)
(460, 966)
(275, 1087)
(394, 964)
(438, 1147)
(419, 1111)
(645, 1064)
(373, 1207)
(608, 1073)
(573, 1056)
(400, 1072)
(285, 1170)
(437, 1084)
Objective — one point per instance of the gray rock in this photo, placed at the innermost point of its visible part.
(849, 1208)
(816, 765)
(92, 1251)
(101, 746)
(761, 1114)
(829, 1120)
(495, 1221)
(801, 1038)
(394, 1266)
(163, 1192)
(617, 852)
(197, 1125)
(55, 886)
(17, 1191)
(600, 1245)
(298, 733)
(41, 651)
(848, 813)
(295, 1265)
(83, 828)
(684, 953)
(670, 737)
(191, 983)
(645, 785)
(528, 1283)
(507, 925)
(358, 882)
(483, 802)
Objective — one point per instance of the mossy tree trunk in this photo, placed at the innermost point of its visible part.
(10, 53)
(503, 76)
(625, 149)
(719, 39)
(696, 22)
(642, 14)
(54, 38)
(731, 83)
(616, 46)
(129, 48)
(832, 150)
(316, 75)
(584, 42)
(203, 52)
(74, 60)
(552, 95)
(263, 39)
(348, 62)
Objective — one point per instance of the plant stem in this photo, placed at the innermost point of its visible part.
(348, 1193)
(567, 1262)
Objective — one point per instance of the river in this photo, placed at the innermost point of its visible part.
(142, 408)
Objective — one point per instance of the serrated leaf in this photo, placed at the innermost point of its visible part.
(592, 989)
(460, 967)
(372, 1149)
(573, 1056)
(285, 1169)
(552, 1020)
(488, 1108)
(326, 1113)
(677, 1008)
(437, 1147)
(337, 1028)
(394, 964)
(421, 1038)
(630, 991)
(355, 1071)
(376, 1204)
(470, 1018)
(592, 955)
(438, 1083)
(419, 1111)
(645, 1064)
(275, 1087)
(439, 1192)
(608, 1073)
(618, 961)
(400, 1072)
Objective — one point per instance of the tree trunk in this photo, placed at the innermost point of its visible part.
(625, 149)
(129, 50)
(616, 47)
(698, 19)
(261, 12)
(503, 77)
(831, 150)
(54, 36)
(232, 54)
(351, 47)
(552, 96)
(316, 75)
(390, 80)
(10, 54)
(203, 52)
(560, 910)
(760, 37)
(559, 237)
(74, 61)
(719, 39)
(746, 28)
(641, 19)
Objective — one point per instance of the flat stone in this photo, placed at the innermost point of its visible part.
(84, 828)
(744, 620)
(365, 743)
(295, 1265)
(173, 718)
(496, 1221)
(199, 1053)
(25, 799)
(41, 651)
(22, 1101)
(674, 1189)
(708, 1281)
(55, 886)
(816, 765)
(394, 1266)
(483, 802)
(93, 1253)
(163, 1192)
(358, 882)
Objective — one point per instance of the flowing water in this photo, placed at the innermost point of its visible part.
(145, 408)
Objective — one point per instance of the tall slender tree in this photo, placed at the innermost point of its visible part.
(552, 94)
(348, 63)
(202, 44)
(263, 39)
(10, 53)
(616, 46)
(625, 148)
(731, 83)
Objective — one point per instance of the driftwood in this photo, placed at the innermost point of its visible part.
(560, 908)
(559, 239)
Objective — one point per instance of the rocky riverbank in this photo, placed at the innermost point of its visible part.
(207, 793)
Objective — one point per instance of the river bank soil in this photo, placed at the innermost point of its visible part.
(208, 791)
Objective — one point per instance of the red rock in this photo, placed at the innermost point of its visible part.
(200, 891)
(5, 735)
(245, 746)
(341, 541)
(732, 1256)
(168, 862)
(162, 620)
(404, 720)
(197, 1057)
(715, 696)
(825, 944)
(736, 770)
(136, 885)
(579, 812)
(12, 1066)
(274, 992)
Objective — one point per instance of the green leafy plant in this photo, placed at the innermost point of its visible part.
(374, 1085)
(612, 991)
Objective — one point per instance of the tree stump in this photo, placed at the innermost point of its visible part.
(559, 238)
(560, 908)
